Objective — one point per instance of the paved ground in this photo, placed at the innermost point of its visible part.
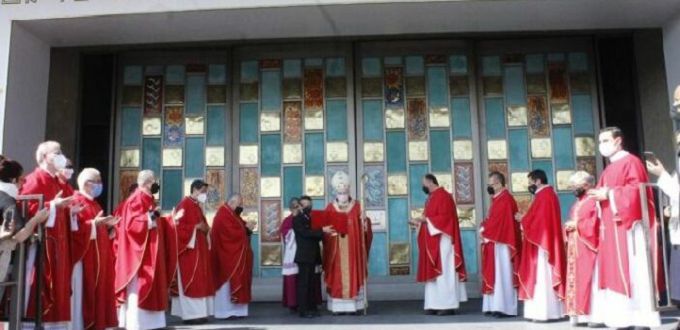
(386, 315)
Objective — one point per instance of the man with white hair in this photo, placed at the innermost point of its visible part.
(345, 255)
(146, 258)
(56, 289)
(93, 302)
(232, 260)
(583, 239)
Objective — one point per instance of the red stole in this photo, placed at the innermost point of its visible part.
(99, 299)
(624, 177)
(56, 290)
(500, 227)
(149, 253)
(195, 264)
(232, 255)
(441, 210)
(542, 228)
(582, 244)
(345, 265)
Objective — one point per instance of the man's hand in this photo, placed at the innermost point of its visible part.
(570, 225)
(203, 227)
(176, 215)
(328, 230)
(75, 209)
(599, 194)
(250, 225)
(519, 216)
(416, 221)
(100, 219)
(655, 168)
(113, 221)
(61, 203)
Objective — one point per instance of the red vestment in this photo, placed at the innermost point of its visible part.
(56, 290)
(148, 253)
(345, 262)
(542, 229)
(623, 177)
(582, 244)
(440, 210)
(500, 227)
(99, 299)
(232, 255)
(195, 263)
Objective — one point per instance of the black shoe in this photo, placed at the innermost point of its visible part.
(307, 316)
(502, 315)
(596, 325)
(446, 312)
(488, 314)
(196, 321)
(430, 312)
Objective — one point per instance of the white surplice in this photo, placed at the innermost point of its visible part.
(191, 308)
(224, 308)
(447, 291)
(131, 317)
(504, 296)
(347, 305)
(545, 305)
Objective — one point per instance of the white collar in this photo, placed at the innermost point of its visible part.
(9, 189)
(541, 188)
(618, 155)
(500, 192)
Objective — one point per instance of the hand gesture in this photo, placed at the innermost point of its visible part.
(100, 219)
(655, 168)
(416, 221)
(250, 225)
(328, 230)
(519, 216)
(570, 225)
(113, 221)
(176, 215)
(203, 227)
(598, 194)
(75, 209)
(41, 216)
(61, 203)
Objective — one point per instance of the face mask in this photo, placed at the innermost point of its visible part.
(238, 210)
(607, 149)
(155, 188)
(532, 189)
(67, 173)
(97, 189)
(426, 190)
(202, 198)
(490, 191)
(307, 210)
(59, 162)
(579, 192)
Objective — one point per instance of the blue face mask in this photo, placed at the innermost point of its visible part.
(97, 189)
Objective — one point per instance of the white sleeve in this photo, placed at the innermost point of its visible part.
(192, 242)
(612, 202)
(93, 233)
(431, 229)
(53, 215)
(152, 224)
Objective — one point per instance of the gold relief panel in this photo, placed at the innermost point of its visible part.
(585, 146)
(417, 151)
(445, 181)
(248, 155)
(314, 186)
(313, 119)
(337, 152)
(397, 185)
(400, 253)
(517, 116)
(561, 114)
(497, 149)
(270, 122)
(394, 118)
(271, 254)
(270, 187)
(373, 152)
(129, 158)
(519, 182)
(400, 270)
(214, 156)
(195, 125)
(541, 148)
(466, 216)
(378, 220)
(252, 216)
(417, 213)
(172, 157)
(292, 153)
(563, 179)
(439, 117)
(151, 126)
(462, 150)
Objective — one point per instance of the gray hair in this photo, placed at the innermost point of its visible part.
(233, 197)
(581, 177)
(85, 175)
(144, 176)
(44, 148)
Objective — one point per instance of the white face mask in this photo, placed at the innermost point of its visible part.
(607, 149)
(202, 197)
(67, 173)
(343, 198)
(59, 162)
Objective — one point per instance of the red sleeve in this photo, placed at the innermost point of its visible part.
(627, 197)
(186, 224)
(588, 225)
(33, 186)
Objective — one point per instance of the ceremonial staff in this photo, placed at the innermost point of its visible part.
(362, 205)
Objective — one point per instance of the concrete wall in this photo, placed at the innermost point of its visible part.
(63, 100)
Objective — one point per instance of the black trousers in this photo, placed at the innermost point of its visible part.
(305, 283)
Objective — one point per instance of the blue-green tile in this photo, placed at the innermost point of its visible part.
(217, 74)
(195, 94)
(556, 57)
(440, 151)
(378, 259)
(174, 75)
(567, 199)
(578, 62)
(519, 149)
(491, 66)
(249, 70)
(292, 68)
(313, 62)
(292, 183)
(335, 67)
(513, 85)
(470, 251)
(495, 118)
(415, 182)
(248, 117)
(314, 154)
(398, 215)
(271, 272)
(563, 148)
(396, 152)
(459, 64)
(270, 154)
(151, 155)
(172, 188)
(132, 75)
(318, 204)
(255, 245)
(393, 60)
(336, 120)
(370, 67)
(437, 89)
(131, 127)
(547, 167)
(216, 125)
(535, 63)
(582, 110)
(271, 90)
(373, 120)
(414, 251)
(415, 66)
(194, 158)
(461, 118)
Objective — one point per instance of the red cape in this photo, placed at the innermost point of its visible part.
(232, 255)
(99, 299)
(345, 266)
(195, 264)
(56, 292)
(500, 227)
(542, 228)
(582, 245)
(151, 254)
(440, 209)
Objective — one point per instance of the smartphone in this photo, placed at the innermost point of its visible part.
(651, 157)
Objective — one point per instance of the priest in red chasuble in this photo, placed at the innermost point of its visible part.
(583, 239)
(501, 242)
(56, 289)
(232, 258)
(146, 258)
(345, 255)
(93, 298)
(623, 262)
(194, 295)
(542, 270)
(441, 265)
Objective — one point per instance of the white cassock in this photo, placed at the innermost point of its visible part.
(447, 291)
(224, 308)
(77, 322)
(504, 296)
(545, 305)
(191, 308)
(347, 305)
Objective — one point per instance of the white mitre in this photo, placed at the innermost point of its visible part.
(340, 182)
